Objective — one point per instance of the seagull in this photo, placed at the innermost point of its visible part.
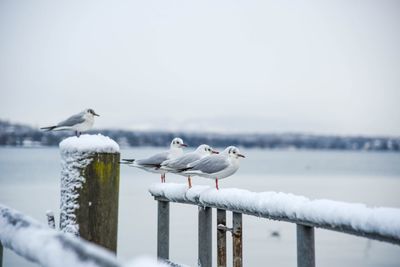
(153, 163)
(173, 165)
(216, 166)
(80, 122)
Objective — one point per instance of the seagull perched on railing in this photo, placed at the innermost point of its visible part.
(216, 166)
(174, 165)
(153, 163)
(80, 122)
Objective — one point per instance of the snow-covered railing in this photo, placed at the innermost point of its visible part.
(356, 219)
(47, 247)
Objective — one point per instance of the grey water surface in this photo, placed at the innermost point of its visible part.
(30, 182)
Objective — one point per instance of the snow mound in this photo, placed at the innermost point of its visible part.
(89, 143)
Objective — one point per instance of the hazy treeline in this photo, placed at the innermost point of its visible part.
(22, 135)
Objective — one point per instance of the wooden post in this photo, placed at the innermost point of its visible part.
(305, 246)
(90, 188)
(221, 238)
(205, 237)
(163, 230)
(237, 239)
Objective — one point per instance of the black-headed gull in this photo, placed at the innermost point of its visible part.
(80, 122)
(153, 163)
(216, 166)
(174, 165)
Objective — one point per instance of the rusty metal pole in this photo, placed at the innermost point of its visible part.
(221, 238)
(305, 246)
(205, 237)
(237, 239)
(163, 230)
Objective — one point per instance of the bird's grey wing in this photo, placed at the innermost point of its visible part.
(71, 121)
(210, 164)
(154, 160)
(181, 162)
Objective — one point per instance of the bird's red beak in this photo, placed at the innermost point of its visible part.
(215, 152)
(184, 145)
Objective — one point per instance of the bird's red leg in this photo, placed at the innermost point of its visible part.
(190, 182)
(216, 184)
(163, 178)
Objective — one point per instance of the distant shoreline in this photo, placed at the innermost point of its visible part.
(19, 135)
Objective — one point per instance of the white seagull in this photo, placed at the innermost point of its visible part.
(174, 165)
(153, 163)
(216, 166)
(80, 122)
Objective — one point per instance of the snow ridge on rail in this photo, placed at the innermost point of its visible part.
(352, 218)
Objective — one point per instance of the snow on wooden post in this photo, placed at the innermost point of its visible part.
(89, 188)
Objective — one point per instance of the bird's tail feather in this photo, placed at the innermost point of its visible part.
(127, 161)
(49, 128)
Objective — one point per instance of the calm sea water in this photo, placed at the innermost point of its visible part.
(30, 182)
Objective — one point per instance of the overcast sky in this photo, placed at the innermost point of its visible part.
(243, 66)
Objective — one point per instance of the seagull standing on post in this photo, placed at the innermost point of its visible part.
(153, 163)
(80, 122)
(216, 166)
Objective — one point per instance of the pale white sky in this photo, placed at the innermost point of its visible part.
(246, 66)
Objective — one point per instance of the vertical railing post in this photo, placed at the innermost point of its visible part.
(50, 219)
(1, 255)
(205, 237)
(221, 238)
(237, 239)
(90, 189)
(305, 246)
(163, 230)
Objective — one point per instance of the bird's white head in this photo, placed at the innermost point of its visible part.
(233, 152)
(91, 112)
(177, 143)
(205, 150)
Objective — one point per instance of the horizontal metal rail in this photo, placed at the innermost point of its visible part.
(343, 228)
(194, 197)
(306, 214)
(50, 247)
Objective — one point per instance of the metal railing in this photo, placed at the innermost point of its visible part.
(206, 199)
(47, 247)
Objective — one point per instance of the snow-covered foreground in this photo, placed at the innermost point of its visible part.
(378, 223)
(47, 247)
